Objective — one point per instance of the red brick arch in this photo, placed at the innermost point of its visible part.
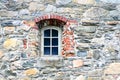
(51, 16)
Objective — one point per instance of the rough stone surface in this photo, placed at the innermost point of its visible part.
(85, 1)
(95, 12)
(89, 44)
(113, 68)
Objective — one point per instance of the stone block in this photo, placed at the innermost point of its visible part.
(31, 72)
(78, 63)
(8, 30)
(34, 6)
(1, 54)
(63, 2)
(24, 12)
(5, 13)
(86, 2)
(81, 77)
(50, 8)
(11, 44)
(95, 12)
(113, 68)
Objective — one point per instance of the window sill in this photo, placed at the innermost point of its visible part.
(51, 58)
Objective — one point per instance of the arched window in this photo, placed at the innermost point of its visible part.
(51, 41)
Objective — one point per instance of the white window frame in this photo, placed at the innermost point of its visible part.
(59, 40)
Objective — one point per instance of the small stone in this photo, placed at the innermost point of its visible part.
(5, 13)
(114, 14)
(112, 22)
(30, 23)
(96, 54)
(8, 23)
(78, 63)
(64, 10)
(25, 78)
(89, 29)
(63, 2)
(24, 12)
(85, 1)
(118, 7)
(17, 22)
(81, 77)
(111, 1)
(81, 53)
(32, 71)
(34, 6)
(113, 68)
(10, 44)
(89, 23)
(51, 8)
(8, 30)
(1, 54)
(95, 12)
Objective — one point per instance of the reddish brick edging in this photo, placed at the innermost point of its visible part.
(51, 16)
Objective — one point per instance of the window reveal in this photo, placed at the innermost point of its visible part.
(51, 41)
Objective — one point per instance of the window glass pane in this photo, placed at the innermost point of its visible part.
(46, 50)
(54, 41)
(54, 33)
(47, 33)
(54, 50)
(46, 41)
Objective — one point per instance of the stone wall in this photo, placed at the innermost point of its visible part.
(96, 37)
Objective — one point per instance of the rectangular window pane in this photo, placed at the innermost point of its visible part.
(46, 41)
(54, 33)
(47, 33)
(54, 41)
(46, 50)
(54, 50)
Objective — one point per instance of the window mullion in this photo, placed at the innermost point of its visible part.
(50, 41)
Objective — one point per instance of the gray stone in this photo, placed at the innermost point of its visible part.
(5, 13)
(24, 12)
(111, 1)
(81, 53)
(2, 6)
(17, 22)
(50, 8)
(63, 2)
(8, 23)
(114, 14)
(85, 2)
(10, 73)
(34, 6)
(81, 77)
(96, 54)
(95, 12)
(22, 6)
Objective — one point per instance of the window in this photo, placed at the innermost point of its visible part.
(51, 41)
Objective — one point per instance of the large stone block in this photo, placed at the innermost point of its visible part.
(111, 1)
(78, 63)
(11, 44)
(32, 71)
(95, 12)
(34, 6)
(81, 77)
(63, 2)
(50, 8)
(85, 1)
(5, 13)
(8, 30)
(113, 68)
